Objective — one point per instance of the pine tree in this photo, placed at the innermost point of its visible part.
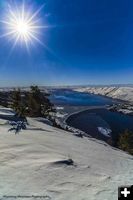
(16, 100)
(33, 103)
(38, 103)
(18, 104)
(126, 142)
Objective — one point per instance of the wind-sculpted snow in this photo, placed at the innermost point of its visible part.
(123, 93)
(49, 162)
(6, 111)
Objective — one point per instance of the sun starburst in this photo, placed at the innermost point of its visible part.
(22, 25)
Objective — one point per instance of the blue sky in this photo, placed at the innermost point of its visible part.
(89, 42)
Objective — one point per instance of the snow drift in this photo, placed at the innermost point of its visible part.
(45, 161)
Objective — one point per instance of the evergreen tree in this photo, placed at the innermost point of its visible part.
(38, 103)
(16, 100)
(33, 103)
(18, 104)
(126, 142)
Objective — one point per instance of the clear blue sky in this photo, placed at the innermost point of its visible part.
(91, 43)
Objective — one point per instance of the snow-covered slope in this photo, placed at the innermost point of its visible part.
(6, 112)
(123, 93)
(32, 163)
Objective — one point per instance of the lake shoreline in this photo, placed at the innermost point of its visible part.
(79, 110)
(128, 105)
(100, 136)
(78, 132)
(72, 104)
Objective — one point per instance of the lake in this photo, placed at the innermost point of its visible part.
(99, 123)
(69, 97)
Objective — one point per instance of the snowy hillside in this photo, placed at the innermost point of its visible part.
(123, 93)
(36, 162)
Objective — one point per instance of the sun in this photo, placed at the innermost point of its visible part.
(22, 24)
(22, 28)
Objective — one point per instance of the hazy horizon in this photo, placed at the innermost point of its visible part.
(71, 86)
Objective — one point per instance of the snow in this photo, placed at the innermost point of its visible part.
(123, 93)
(105, 131)
(60, 115)
(125, 111)
(59, 108)
(32, 163)
(6, 111)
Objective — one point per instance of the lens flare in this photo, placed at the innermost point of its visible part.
(20, 24)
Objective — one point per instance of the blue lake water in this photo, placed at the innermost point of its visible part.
(96, 122)
(68, 97)
(89, 121)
